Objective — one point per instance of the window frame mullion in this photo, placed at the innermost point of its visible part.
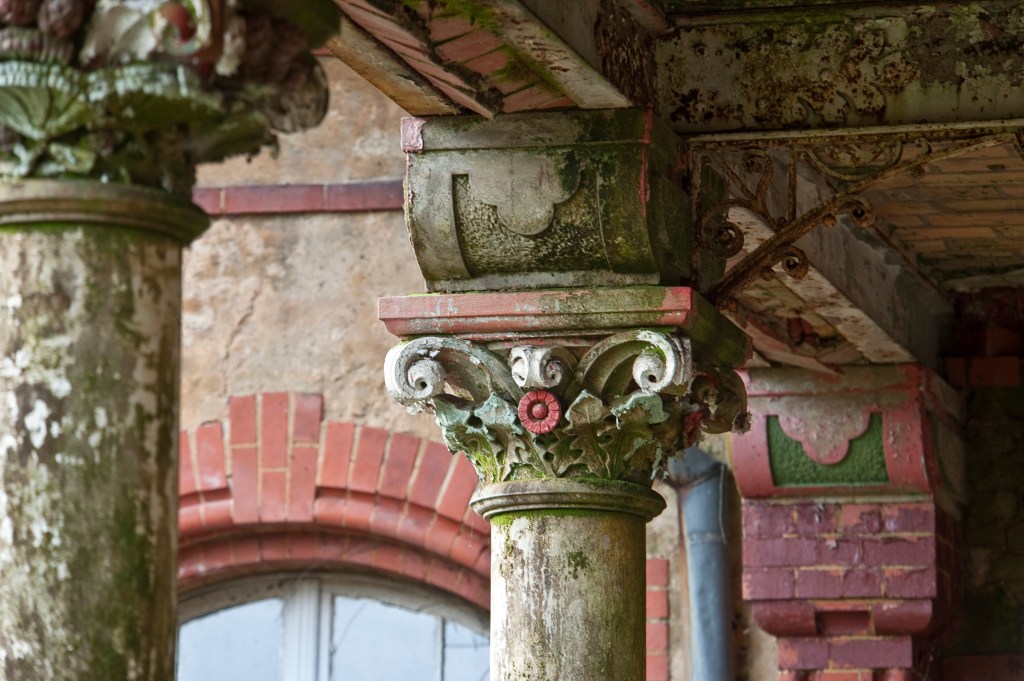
(325, 640)
(301, 631)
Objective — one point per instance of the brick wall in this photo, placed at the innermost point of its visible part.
(657, 619)
(988, 340)
(984, 358)
(846, 586)
(276, 487)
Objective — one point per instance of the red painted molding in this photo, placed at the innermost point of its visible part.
(350, 197)
(478, 315)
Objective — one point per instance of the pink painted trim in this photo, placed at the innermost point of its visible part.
(349, 197)
(908, 404)
(476, 315)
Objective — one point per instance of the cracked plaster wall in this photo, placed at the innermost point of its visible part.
(289, 302)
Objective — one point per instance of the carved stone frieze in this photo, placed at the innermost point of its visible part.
(613, 410)
(141, 91)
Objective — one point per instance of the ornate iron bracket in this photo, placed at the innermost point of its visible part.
(731, 176)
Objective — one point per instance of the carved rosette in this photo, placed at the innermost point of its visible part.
(613, 411)
(140, 91)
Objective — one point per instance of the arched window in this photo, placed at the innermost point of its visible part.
(330, 628)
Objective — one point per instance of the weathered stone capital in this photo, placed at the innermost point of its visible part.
(140, 92)
(597, 403)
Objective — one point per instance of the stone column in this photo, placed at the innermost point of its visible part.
(90, 296)
(105, 109)
(567, 578)
(574, 370)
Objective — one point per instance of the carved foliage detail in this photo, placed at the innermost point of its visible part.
(617, 413)
(141, 91)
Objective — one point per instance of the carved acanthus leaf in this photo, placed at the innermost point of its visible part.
(141, 91)
(634, 400)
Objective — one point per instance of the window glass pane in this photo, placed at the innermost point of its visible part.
(466, 655)
(243, 642)
(371, 641)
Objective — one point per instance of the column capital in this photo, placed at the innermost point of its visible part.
(564, 389)
(140, 92)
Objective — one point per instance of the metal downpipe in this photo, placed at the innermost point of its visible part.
(699, 480)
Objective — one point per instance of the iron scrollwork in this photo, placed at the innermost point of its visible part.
(849, 165)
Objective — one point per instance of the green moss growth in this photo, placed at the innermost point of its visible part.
(505, 519)
(476, 13)
(577, 562)
(864, 463)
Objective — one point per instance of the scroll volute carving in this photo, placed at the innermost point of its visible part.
(615, 411)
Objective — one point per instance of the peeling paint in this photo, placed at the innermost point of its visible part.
(826, 67)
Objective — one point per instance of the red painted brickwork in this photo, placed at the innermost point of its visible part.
(462, 59)
(847, 586)
(276, 488)
(987, 342)
(658, 640)
(281, 489)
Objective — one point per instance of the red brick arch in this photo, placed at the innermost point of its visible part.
(276, 488)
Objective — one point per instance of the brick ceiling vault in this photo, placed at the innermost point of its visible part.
(881, 139)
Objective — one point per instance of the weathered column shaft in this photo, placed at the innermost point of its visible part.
(567, 582)
(89, 359)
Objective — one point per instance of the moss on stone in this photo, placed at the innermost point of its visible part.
(864, 463)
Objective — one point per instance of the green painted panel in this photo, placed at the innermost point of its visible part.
(864, 463)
